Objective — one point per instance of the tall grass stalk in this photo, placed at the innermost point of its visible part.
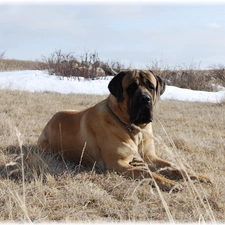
(189, 183)
(81, 157)
(22, 202)
(165, 205)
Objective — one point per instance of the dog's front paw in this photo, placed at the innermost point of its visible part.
(166, 184)
(171, 173)
(201, 178)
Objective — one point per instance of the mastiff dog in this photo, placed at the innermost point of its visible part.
(116, 134)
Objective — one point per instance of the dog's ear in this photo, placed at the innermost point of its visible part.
(115, 86)
(161, 85)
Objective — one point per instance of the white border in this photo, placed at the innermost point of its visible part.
(112, 2)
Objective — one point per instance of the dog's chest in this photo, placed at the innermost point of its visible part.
(138, 139)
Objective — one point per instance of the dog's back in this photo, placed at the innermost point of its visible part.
(70, 134)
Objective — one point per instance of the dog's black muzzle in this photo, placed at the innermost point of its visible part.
(141, 109)
(145, 99)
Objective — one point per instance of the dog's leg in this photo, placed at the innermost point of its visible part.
(165, 184)
(164, 168)
(170, 170)
(138, 170)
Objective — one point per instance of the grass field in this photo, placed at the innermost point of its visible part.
(43, 187)
(14, 64)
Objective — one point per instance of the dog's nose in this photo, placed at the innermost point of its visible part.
(146, 98)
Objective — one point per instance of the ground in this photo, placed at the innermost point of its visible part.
(43, 187)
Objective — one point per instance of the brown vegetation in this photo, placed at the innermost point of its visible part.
(90, 66)
(42, 187)
(192, 77)
(14, 64)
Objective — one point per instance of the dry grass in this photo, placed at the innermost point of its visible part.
(14, 64)
(41, 187)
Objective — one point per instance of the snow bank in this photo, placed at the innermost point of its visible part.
(41, 81)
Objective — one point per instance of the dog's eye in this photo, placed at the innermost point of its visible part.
(132, 88)
(150, 86)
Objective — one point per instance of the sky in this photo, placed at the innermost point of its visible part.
(41, 81)
(135, 33)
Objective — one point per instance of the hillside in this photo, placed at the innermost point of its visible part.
(36, 186)
(47, 188)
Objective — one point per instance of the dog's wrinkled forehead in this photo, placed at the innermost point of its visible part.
(130, 81)
(140, 77)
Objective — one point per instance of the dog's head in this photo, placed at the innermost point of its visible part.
(138, 91)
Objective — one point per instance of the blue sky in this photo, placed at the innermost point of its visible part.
(136, 34)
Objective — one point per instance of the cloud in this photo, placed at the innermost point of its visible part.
(214, 25)
(136, 33)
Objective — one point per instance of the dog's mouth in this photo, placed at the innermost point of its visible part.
(141, 112)
(141, 117)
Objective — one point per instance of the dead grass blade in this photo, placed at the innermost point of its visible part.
(189, 182)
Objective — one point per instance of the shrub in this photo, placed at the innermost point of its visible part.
(89, 67)
(218, 73)
(61, 64)
(191, 77)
